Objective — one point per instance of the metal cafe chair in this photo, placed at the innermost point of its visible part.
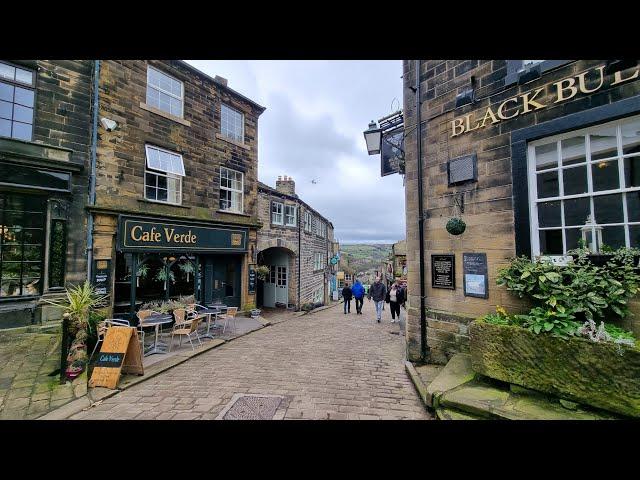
(102, 328)
(186, 328)
(142, 314)
(231, 314)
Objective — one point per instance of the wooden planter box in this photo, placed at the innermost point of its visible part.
(603, 375)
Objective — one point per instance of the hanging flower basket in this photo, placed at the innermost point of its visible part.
(456, 226)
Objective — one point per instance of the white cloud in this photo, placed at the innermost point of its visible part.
(312, 130)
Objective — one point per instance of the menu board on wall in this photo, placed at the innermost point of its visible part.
(252, 279)
(102, 276)
(476, 282)
(443, 271)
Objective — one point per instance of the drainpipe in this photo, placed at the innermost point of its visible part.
(92, 170)
(299, 257)
(424, 348)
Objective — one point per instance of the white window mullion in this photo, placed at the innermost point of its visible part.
(627, 235)
(533, 206)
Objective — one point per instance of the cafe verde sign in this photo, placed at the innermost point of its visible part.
(561, 91)
(142, 234)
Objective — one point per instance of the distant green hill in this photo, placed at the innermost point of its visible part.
(364, 256)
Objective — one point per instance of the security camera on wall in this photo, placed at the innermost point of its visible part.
(109, 125)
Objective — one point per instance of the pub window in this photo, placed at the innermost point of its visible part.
(594, 173)
(231, 123)
(307, 222)
(276, 213)
(163, 176)
(164, 92)
(17, 95)
(22, 222)
(290, 215)
(231, 190)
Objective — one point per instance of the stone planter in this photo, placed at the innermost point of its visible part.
(603, 375)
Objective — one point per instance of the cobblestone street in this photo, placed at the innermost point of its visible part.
(326, 366)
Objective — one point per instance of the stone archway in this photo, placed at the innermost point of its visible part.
(280, 287)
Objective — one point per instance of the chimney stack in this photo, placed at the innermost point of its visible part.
(286, 185)
(220, 80)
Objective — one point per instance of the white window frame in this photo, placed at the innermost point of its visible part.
(286, 215)
(233, 208)
(533, 185)
(160, 173)
(224, 130)
(308, 222)
(165, 92)
(280, 213)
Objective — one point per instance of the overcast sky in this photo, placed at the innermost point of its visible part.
(312, 130)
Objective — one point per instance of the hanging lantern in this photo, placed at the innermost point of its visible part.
(592, 235)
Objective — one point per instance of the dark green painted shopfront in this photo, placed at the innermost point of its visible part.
(174, 259)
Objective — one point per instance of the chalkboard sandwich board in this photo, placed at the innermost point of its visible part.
(120, 352)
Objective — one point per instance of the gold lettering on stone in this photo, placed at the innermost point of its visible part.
(502, 106)
(570, 86)
(489, 114)
(455, 124)
(617, 77)
(526, 101)
(582, 84)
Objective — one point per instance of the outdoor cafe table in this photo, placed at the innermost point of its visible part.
(211, 310)
(156, 321)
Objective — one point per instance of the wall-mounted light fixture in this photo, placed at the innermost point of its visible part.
(373, 137)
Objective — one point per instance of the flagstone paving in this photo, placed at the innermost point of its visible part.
(325, 365)
(26, 388)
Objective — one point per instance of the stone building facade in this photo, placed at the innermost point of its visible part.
(539, 142)
(175, 209)
(296, 243)
(45, 138)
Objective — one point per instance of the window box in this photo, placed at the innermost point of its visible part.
(601, 259)
(601, 374)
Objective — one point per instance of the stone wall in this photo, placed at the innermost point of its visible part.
(488, 203)
(271, 235)
(121, 156)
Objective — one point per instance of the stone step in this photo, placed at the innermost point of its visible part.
(480, 398)
(452, 414)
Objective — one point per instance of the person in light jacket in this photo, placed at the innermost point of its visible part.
(396, 298)
(378, 292)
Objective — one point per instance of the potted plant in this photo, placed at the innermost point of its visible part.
(262, 271)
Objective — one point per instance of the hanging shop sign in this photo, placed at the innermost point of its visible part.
(443, 271)
(102, 276)
(143, 234)
(474, 267)
(587, 82)
(391, 156)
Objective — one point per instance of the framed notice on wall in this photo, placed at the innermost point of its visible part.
(443, 271)
(252, 279)
(476, 278)
(102, 276)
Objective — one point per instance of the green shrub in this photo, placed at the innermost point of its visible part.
(585, 290)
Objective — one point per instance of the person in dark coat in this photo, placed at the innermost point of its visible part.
(346, 296)
(378, 292)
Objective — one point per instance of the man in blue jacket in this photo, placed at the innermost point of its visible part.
(358, 294)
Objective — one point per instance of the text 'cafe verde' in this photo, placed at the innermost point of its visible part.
(171, 260)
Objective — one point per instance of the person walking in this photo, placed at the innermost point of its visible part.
(396, 298)
(346, 296)
(358, 294)
(378, 292)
